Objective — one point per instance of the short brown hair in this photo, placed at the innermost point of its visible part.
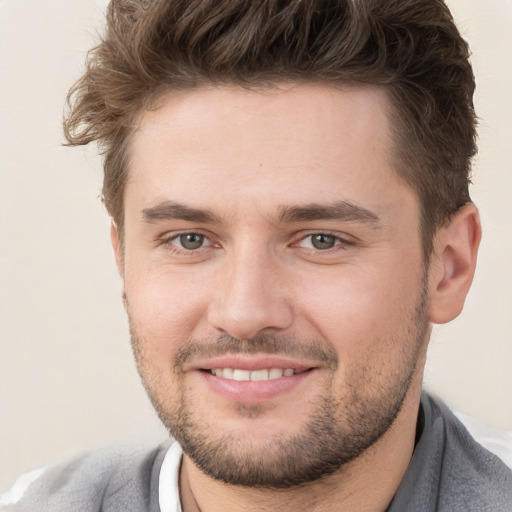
(410, 47)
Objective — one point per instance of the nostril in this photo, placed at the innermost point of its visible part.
(251, 320)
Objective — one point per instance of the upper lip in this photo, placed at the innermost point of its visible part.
(244, 362)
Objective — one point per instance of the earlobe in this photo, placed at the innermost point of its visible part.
(116, 245)
(453, 263)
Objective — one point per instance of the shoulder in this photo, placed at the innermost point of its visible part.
(494, 439)
(118, 479)
(449, 470)
(470, 473)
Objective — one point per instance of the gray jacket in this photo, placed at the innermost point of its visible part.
(449, 472)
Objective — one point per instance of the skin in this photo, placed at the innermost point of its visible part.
(246, 157)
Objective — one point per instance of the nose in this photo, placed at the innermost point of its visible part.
(251, 296)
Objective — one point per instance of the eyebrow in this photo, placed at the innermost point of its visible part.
(340, 210)
(171, 210)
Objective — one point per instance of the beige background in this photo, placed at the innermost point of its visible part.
(67, 381)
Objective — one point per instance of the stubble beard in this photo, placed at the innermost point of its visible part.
(337, 432)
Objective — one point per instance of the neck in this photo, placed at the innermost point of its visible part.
(366, 484)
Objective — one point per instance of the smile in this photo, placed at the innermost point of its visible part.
(254, 384)
(254, 375)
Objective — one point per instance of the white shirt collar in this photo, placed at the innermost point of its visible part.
(168, 482)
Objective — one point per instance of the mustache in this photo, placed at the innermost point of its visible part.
(315, 350)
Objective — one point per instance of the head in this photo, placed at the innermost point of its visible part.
(288, 185)
(410, 49)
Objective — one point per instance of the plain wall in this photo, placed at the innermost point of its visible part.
(67, 380)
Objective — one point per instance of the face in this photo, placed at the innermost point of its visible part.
(274, 278)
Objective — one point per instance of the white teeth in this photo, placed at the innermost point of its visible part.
(275, 373)
(227, 373)
(241, 375)
(259, 375)
(255, 375)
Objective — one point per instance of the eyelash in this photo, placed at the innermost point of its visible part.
(340, 244)
(167, 240)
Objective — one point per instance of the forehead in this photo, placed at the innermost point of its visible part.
(230, 146)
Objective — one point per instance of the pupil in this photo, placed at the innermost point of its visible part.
(191, 241)
(323, 241)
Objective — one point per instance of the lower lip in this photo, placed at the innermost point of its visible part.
(253, 391)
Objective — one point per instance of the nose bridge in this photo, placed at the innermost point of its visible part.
(251, 297)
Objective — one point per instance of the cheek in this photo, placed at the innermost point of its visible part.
(358, 309)
(165, 308)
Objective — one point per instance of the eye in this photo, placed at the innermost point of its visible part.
(323, 241)
(187, 244)
(320, 241)
(189, 241)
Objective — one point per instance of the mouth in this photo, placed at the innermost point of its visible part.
(265, 374)
(243, 379)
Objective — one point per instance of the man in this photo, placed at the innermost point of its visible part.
(288, 187)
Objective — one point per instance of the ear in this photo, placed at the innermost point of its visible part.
(117, 246)
(453, 263)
